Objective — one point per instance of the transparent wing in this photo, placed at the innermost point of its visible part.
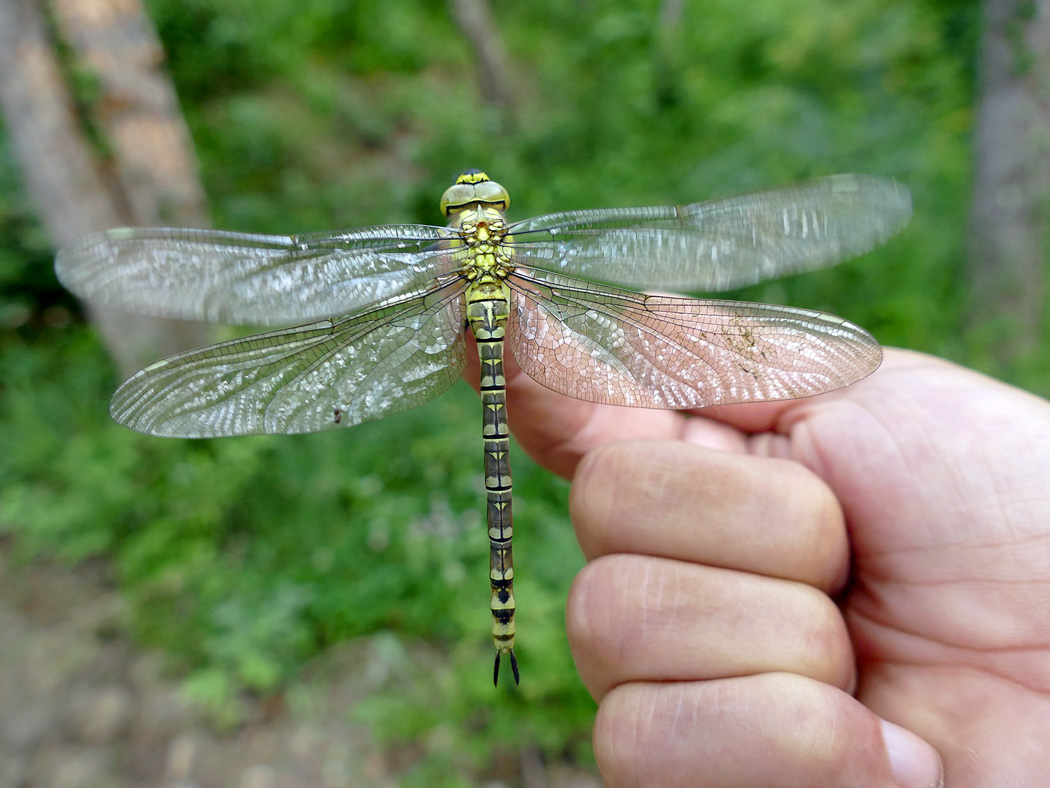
(621, 348)
(235, 278)
(721, 244)
(328, 374)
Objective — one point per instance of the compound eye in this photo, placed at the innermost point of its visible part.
(462, 194)
(456, 197)
(492, 193)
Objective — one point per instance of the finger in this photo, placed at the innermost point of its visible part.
(557, 431)
(779, 416)
(767, 730)
(639, 618)
(672, 499)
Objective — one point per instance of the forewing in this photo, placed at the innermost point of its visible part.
(621, 348)
(320, 376)
(720, 244)
(236, 278)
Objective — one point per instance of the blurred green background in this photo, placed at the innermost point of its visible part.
(243, 558)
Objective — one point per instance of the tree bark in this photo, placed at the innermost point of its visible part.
(1008, 219)
(150, 174)
(61, 175)
(138, 111)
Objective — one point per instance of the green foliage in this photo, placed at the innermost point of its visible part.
(27, 282)
(243, 558)
(348, 113)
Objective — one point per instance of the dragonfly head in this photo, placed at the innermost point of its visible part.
(473, 187)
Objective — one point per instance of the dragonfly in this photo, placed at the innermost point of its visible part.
(381, 315)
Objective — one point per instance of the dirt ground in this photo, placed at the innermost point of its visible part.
(80, 707)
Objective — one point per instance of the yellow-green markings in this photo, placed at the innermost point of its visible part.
(379, 316)
(486, 264)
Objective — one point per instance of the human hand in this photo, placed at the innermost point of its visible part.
(768, 583)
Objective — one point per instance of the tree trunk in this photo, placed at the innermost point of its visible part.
(495, 77)
(1008, 219)
(150, 175)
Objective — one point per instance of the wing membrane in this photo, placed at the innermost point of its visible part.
(228, 277)
(622, 348)
(720, 244)
(328, 374)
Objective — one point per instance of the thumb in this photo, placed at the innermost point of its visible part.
(556, 431)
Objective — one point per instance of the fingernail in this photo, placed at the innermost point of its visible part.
(914, 763)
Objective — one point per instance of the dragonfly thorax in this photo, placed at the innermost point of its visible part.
(482, 226)
(483, 232)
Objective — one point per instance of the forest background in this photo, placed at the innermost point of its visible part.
(242, 559)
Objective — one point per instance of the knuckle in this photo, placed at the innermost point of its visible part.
(603, 615)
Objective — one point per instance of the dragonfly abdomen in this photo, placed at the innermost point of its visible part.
(488, 309)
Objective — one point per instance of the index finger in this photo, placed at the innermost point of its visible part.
(557, 431)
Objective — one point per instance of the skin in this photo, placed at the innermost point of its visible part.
(850, 590)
